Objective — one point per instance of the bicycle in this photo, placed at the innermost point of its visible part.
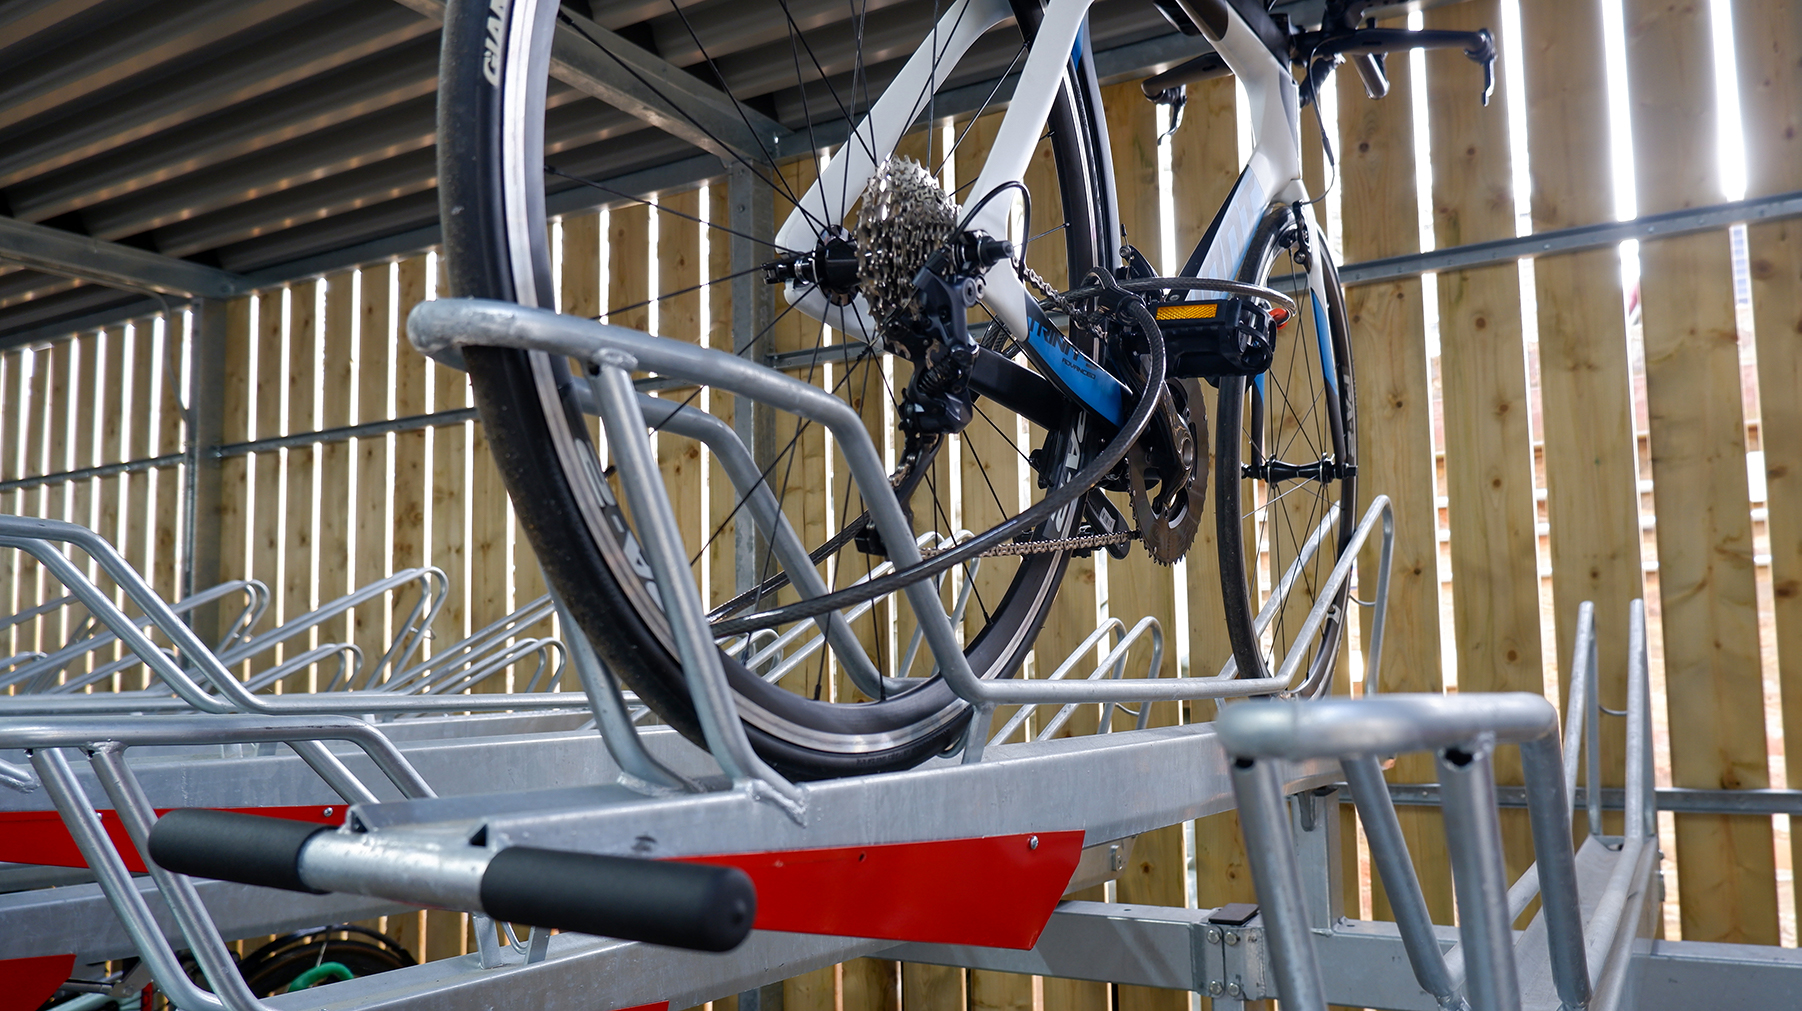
(876, 250)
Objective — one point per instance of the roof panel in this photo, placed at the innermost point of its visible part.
(253, 134)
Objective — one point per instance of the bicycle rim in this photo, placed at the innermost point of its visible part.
(492, 87)
(1298, 415)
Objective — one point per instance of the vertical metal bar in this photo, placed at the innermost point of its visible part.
(1316, 830)
(1605, 920)
(611, 717)
(1389, 855)
(741, 468)
(1582, 670)
(675, 586)
(753, 214)
(1264, 819)
(115, 880)
(335, 773)
(1379, 616)
(1640, 820)
(208, 948)
(1474, 839)
(1548, 804)
(204, 418)
(1592, 778)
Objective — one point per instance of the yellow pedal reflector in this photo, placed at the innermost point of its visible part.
(1189, 310)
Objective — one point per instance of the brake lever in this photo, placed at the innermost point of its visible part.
(1478, 46)
(1483, 51)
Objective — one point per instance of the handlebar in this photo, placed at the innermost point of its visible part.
(681, 905)
(1322, 50)
(1364, 45)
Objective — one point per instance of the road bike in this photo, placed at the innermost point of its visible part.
(993, 301)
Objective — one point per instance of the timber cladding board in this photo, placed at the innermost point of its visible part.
(1591, 460)
(1488, 448)
(434, 498)
(1706, 582)
(1771, 100)
(1395, 435)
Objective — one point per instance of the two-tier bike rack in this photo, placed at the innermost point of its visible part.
(961, 861)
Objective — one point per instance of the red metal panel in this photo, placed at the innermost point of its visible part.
(29, 982)
(996, 891)
(39, 837)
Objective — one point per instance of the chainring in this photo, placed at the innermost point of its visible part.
(1168, 520)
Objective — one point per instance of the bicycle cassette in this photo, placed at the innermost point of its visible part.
(1176, 441)
(903, 219)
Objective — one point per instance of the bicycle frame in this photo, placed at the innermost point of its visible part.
(1272, 174)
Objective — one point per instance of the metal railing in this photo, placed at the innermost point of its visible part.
(1584, 963)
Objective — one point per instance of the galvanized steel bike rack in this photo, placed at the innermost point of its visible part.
(664, 789)
(1561, 961)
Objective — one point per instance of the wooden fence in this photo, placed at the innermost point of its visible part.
(1529, 423)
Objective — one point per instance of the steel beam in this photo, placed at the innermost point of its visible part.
(78, 918)
(164, 38)
(241, 75)
(601, 63)
(338, 96)
(1570, 240)
(1137, 945)
(58, 252)
(1156, 777)
(1685, 800)
(1682, 975)
(583, 973)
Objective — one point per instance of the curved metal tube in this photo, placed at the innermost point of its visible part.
(1390, 725)
(766, 512)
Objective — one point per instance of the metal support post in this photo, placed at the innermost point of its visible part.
(1642, 817)
(1593, 751)
(765, 998)
(204, 420)
(1265, 821)
(109, 868)
(1389, 855)
(637, 768)
(1315, 825)
(1473, 836)
(1548, 805)
(1582, 672)
(204, 942)
(753, 213)
(675, 586)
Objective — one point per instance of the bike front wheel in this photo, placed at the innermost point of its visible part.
(1286, 468)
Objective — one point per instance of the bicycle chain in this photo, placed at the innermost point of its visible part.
(1083, 543)
(1051, 294)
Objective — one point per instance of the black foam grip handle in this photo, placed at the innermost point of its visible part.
(693, 906)
(245, 848)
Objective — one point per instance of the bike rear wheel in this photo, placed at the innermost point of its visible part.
(491, 167)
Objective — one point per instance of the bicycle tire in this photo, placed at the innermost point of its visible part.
(494, 238)
(1313, 393)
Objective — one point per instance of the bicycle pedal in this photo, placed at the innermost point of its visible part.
(1222, 337)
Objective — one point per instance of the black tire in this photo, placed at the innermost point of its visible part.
(276, 966)
(494, 234)
(1314, 401)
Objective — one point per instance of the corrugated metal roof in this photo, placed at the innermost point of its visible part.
(272, 139)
